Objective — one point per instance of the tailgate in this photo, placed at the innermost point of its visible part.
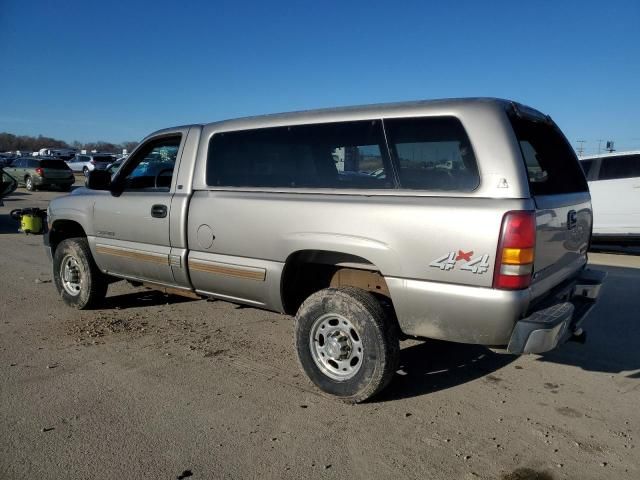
(56, 173)
(55, 169)
(103, 162)
(563, 205)
(563, 224)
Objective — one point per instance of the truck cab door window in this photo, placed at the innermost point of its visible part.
(152, 168)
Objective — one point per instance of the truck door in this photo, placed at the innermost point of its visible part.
(132, 224)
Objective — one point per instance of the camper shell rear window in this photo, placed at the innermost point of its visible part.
(552, 165)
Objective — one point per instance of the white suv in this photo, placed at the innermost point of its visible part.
(614, 182)
(87, 163)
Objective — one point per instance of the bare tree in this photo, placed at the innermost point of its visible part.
(10, 143)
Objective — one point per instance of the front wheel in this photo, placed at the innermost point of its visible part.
(78, 279)
(346, 344)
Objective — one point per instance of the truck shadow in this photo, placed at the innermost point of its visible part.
(435, 365)
(613, 328)
(142, 299)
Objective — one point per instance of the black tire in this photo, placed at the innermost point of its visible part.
(28, 183)
(377, 333)
(91, 283)
(85, 171)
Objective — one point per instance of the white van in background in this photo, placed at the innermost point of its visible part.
(614, 182)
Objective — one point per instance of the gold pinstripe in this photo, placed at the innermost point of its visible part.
(145, 257)
(228, 270)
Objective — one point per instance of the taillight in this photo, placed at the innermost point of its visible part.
(516, 251)
(92, 162)
(40, 171)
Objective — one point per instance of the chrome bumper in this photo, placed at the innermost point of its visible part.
(556, 323)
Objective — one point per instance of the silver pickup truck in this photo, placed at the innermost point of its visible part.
(463, 220)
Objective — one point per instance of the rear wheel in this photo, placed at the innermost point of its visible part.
(28, 182)
(346, 344)
(85, 171)
(78, 279)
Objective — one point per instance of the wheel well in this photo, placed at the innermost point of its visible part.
(305, 272)
(63, 229)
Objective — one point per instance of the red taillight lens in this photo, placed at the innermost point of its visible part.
(40, 171)
(516, 251)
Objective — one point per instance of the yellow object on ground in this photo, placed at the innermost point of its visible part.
(30, 223)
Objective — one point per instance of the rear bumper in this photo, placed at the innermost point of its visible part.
(559, 318)
(456, 313)
(487, 316)
(37, 180)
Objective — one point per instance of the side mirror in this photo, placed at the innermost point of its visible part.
(98, 180)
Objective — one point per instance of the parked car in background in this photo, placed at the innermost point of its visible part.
(614, 182)
(94, 161)
(61, 153)
(8, 185)
(6, 159)
(35, 173)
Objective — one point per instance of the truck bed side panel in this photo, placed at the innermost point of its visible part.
(450, 240)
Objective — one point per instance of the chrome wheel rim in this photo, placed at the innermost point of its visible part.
(336, 346)
(71, 275)
(29, 183)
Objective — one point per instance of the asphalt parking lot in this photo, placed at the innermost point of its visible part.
(152, 386)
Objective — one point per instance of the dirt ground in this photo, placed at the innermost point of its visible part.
(162, 387)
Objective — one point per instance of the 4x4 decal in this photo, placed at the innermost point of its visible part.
(446, 262)
(478, 265)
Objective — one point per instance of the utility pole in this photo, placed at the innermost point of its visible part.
(581, 147)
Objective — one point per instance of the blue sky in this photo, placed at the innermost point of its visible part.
(116, 71)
